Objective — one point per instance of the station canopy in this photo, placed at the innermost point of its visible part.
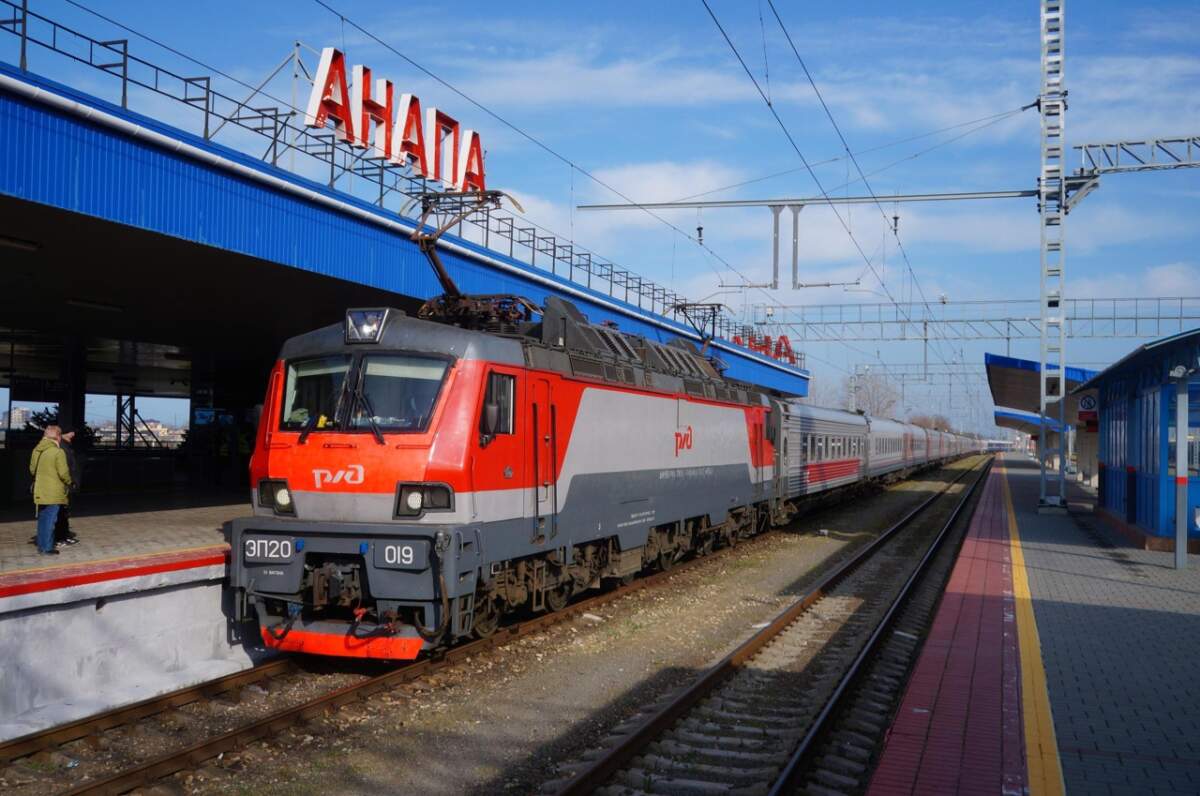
(1175, 349)
(1025, 422)
(1015, 386)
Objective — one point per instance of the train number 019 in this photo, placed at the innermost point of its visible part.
(399, 554)
(274, 549)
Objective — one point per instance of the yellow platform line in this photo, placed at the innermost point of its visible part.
(1041, 746)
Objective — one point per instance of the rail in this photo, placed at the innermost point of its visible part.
(191, 756)
(615, 758)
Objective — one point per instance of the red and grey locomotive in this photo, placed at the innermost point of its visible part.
(414, 481)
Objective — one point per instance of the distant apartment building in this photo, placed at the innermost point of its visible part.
(17, 418)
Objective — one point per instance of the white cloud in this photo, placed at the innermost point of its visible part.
(1119, 97)
(665, 180)
(568, 78)
(1167, 281)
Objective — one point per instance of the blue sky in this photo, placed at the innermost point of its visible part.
(648, 97)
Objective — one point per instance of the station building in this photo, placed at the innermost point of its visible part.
(170, 252)
(1138, 398)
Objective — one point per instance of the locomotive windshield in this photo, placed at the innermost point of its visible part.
(398, 392)
(377, 392)
(311, 394)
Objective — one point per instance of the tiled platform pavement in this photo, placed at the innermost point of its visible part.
(1120, 642)
(958, 728)
(118, 528)
(1107, 700)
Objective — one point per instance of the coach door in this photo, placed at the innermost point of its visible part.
(544, 428)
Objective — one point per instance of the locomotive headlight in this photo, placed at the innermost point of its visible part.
(276, 495)
(365, 325)
(413, 500)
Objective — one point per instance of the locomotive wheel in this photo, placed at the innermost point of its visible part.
(487, 622)
(666, 559)
(556, 599)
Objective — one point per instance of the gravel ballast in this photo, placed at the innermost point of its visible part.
(502, 720)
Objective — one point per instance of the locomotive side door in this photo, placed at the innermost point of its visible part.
(499, 461)
(544, 432)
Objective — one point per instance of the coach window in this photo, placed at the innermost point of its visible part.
(499, 392)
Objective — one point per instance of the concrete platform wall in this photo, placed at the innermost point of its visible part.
(61, 662)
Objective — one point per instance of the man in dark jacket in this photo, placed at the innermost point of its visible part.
(63, 535)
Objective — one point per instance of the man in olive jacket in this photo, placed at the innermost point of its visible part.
(51, 483)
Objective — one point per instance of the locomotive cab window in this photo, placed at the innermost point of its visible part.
(397, 392)
(311, 392)
(500, 391)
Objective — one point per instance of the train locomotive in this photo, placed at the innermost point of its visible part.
(414, 481)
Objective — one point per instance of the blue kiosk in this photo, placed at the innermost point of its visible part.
(1142, 488)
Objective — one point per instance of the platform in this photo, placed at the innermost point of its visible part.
(1060, 657)
(112, 528)
(137, 608)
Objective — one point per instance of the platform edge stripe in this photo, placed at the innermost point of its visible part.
(1041, 744)
(152, 556)
(113, 574)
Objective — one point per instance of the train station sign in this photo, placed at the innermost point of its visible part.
(780, 348)
(370, 115)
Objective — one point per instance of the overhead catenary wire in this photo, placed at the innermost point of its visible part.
(796, 147)
(809, 168)
(846, 146)
(344, 20)
(707, 251)
(983, 122)
(537, 142)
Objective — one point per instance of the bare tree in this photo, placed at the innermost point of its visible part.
(931, 421)
(873, 394)
(823, 392)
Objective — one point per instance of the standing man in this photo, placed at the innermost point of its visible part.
(51, 480)
(63, 535)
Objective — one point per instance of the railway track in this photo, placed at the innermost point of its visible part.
(198, 753)
(789, 708)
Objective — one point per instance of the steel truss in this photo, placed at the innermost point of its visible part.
(1010, 319)
(1155, 154)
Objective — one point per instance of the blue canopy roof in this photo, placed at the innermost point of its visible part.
(1023, 421)
(1015, 384)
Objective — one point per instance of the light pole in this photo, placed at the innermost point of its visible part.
(1180, 374)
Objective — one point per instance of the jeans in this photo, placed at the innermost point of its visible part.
(47, 516)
